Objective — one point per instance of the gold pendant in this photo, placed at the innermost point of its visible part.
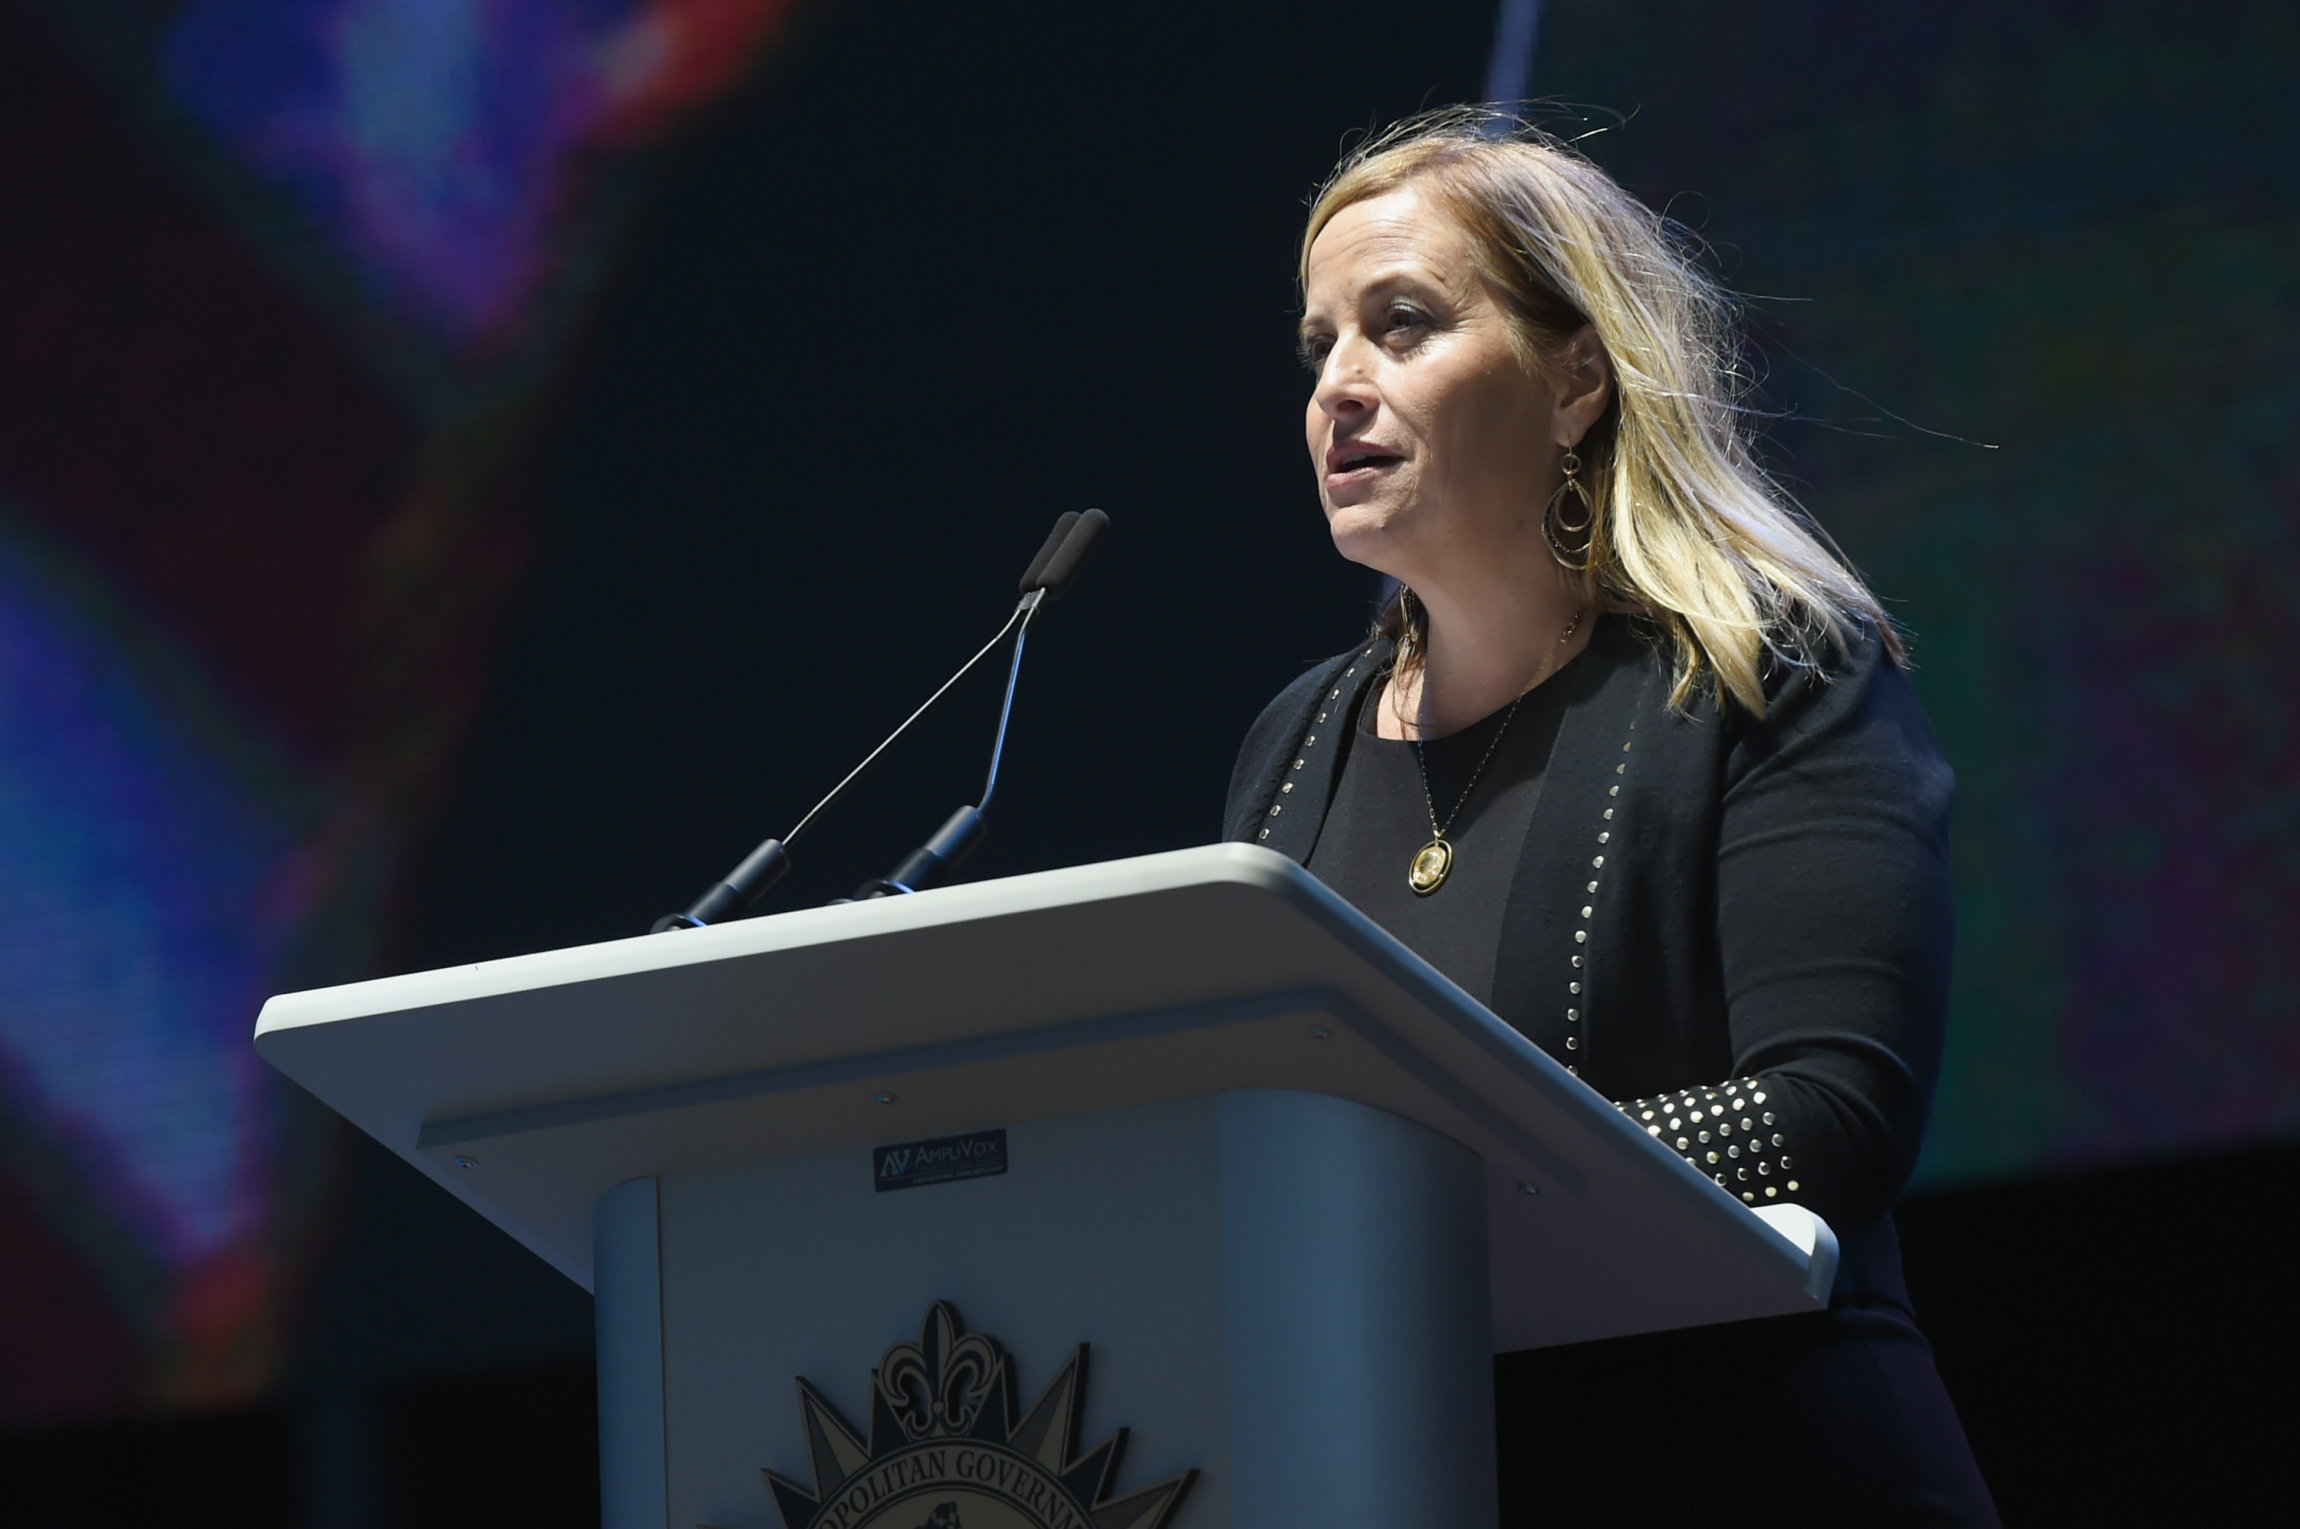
(1431, 865)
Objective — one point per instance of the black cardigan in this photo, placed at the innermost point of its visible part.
(1738, 926)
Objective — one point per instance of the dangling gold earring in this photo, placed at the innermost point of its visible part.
(1562, 533)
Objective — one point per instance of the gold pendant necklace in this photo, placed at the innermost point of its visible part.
(1431, 865)
(1433, 862)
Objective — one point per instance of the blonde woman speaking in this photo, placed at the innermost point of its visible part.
(1631, 757)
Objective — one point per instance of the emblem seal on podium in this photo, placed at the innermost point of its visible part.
(947, 1450)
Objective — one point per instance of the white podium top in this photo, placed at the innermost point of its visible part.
(528, 1087)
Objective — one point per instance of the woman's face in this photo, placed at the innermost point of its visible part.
(1435, 448)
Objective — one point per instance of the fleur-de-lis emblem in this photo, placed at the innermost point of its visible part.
(938, 1384)
(947, 1449)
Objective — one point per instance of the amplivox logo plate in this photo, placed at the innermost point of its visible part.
(943, 1160)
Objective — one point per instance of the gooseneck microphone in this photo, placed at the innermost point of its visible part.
(1049, 577)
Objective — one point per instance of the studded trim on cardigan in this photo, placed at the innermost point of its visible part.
(1315, 753)
(1581, 950)
(1727, 1133)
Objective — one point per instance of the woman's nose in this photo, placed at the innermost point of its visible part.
(1345, 388)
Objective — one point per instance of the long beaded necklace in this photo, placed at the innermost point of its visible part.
(1433, 862)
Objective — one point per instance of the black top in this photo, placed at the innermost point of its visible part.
(1381, 817)
(1738, 927)
(1711, 914)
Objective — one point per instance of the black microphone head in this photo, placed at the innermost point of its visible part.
(1054, 540)
(1061, 570)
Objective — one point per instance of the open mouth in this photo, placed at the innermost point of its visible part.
(1352, 461)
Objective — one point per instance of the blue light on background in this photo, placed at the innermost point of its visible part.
(157, 882)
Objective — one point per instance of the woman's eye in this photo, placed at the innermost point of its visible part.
(1402, 318)
(1314, 353)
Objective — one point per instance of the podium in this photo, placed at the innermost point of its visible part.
(861, 1190)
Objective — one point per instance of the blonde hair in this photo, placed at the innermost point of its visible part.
(1688, 530)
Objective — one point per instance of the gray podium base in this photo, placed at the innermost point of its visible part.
(1285, 1292)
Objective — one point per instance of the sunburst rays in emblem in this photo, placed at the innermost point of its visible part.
(946, 1450)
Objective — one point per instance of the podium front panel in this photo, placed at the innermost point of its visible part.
(1281, 1297)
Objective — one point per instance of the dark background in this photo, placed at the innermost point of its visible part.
(927, 276)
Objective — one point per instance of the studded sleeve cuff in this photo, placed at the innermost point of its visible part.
(1730, 1132)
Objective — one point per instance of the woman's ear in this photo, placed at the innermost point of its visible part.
(1584, 386)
